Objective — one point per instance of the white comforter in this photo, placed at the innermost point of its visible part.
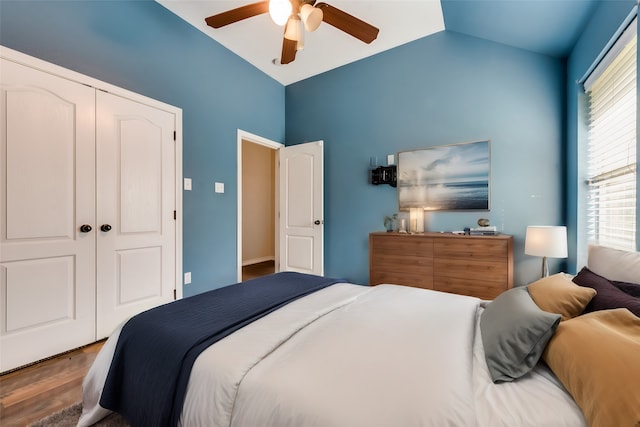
(352, 356)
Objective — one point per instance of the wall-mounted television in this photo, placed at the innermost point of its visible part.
(452, 177)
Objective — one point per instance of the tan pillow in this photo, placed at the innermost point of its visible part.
(597, 358)
(558, 294)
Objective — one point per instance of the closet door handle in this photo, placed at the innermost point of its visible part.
(85, 228)
(105, 227)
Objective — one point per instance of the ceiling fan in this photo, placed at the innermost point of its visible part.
(296, 14)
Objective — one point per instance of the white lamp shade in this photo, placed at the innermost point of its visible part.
(311, 16)
(293, 30)
(546, 241)
(280, 10)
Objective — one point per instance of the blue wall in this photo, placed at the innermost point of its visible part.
(603, 24)
(442, 89)
(141, 46)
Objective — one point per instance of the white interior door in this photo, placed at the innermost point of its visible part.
(47, 192)
(135, 203)
(301, 201)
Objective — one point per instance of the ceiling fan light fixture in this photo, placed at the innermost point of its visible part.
(293, 30)
(280, 10)
(311, 17)
(307, 15)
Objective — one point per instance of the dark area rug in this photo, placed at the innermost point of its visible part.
(68, 417)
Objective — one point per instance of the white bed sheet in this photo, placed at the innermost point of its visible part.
(536, 400)
(350, 355)
(370, 363)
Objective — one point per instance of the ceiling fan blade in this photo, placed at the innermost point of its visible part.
(289, 49)
(348, 23)
(237, 14)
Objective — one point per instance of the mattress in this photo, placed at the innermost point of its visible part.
(350, 355)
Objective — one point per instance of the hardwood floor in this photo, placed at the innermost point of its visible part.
(257, 270)
(31, 393)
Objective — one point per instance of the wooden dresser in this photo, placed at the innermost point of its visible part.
(480, 266)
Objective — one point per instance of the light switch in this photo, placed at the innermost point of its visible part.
(187, 184)
(187, 278)
(391, 160)
(219, 187)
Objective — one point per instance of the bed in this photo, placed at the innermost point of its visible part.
(350, 355)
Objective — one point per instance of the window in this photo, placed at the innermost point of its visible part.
(611, 152)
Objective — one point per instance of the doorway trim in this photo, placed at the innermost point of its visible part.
(254, 139)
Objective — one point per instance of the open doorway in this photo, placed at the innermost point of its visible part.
(257, 230)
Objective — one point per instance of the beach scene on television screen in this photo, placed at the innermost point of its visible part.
(447, 177)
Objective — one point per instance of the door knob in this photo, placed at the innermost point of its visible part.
(316, 222)
(105, 227)
(85, 228)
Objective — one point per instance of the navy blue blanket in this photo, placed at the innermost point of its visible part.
(148, 377)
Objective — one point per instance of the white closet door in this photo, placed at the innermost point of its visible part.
(136, 199)
(47, 192)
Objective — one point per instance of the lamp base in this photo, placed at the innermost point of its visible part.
(545, 267)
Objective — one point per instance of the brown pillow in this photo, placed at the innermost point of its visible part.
(558, 294)
(596, 357)
(608, 296)
(632, 289)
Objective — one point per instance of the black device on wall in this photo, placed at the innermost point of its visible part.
(384, 175)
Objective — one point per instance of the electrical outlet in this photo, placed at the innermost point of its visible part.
(187, 278)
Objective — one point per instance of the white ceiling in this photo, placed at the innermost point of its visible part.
(259, 40)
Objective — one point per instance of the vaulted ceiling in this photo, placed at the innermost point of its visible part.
(549, 27)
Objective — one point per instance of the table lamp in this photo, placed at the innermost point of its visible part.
(546, 241)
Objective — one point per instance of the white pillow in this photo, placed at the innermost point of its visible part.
(614, 264)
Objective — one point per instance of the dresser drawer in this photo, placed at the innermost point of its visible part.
(407, 278)
(399, 244)
(472, 248)
(489, 271)
(471, 287)
(398, 263)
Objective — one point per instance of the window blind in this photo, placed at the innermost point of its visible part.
(611, 152)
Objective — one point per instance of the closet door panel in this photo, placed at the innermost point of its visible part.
(24, 279)
(47, 191)
(37, 207)
(139, 272)
(141, 177)
(136, 197)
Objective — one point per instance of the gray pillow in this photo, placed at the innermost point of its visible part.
(515, 332)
